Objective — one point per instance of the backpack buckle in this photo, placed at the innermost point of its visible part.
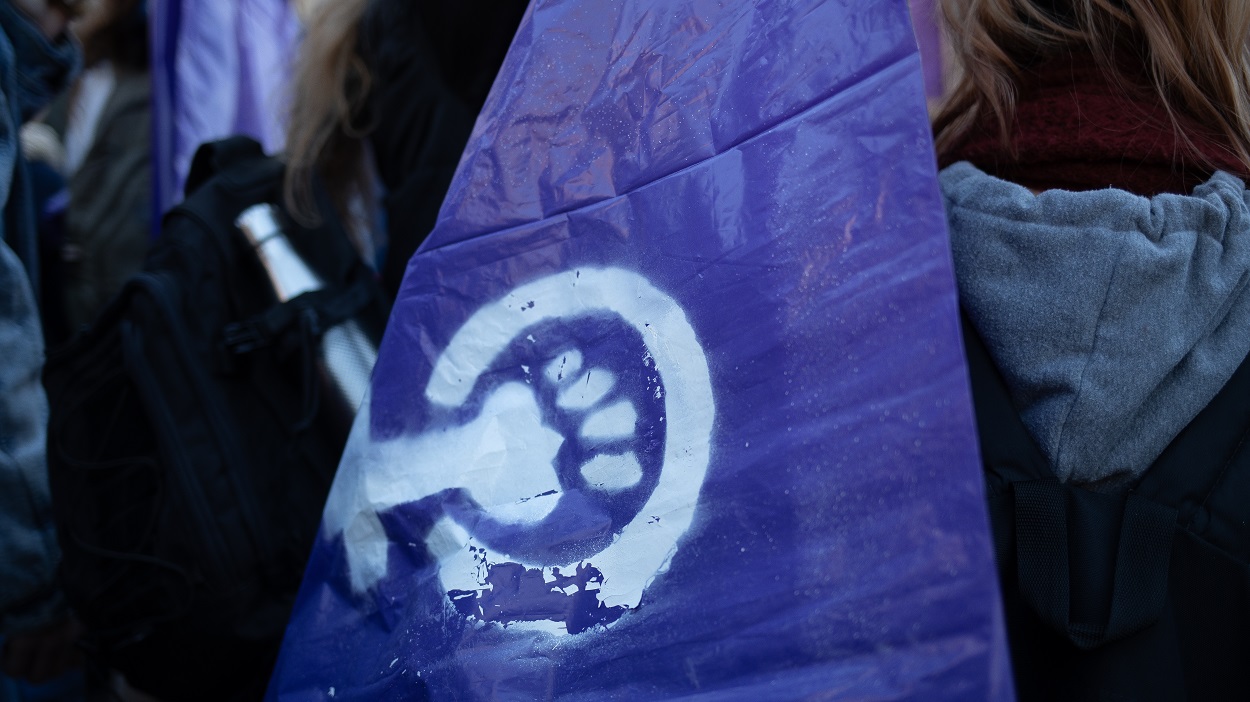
(242, 337)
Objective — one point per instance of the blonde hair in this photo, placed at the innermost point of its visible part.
(1194, 54)
(328, 91)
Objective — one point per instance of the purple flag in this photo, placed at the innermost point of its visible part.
(672, 403)
(219, 68)
(929, 37)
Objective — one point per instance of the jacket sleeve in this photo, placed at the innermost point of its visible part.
(28, 548)
(32, 69)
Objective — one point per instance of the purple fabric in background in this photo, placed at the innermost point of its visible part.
(925, 19)
(672, 403)
(220, 68)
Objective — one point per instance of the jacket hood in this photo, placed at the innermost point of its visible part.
(1113, 318)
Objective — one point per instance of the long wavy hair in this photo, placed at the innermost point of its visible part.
(1194, 52)
(324, 136)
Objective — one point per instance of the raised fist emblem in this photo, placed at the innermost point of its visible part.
(568, 435)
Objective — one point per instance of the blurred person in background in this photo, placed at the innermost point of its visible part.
(391, 87)
(1094, 158)
(37, 60)
(104, 122)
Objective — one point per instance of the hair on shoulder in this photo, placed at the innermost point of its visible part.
(328, 92)
(1194, 54)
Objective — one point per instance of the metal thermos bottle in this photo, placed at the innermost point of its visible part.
(347, 353)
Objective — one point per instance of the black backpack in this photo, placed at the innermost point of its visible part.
(193, 439)
(1143, 595)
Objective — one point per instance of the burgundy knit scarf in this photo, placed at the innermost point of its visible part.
(1076, 131)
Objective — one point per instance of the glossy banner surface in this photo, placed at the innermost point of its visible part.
(672, 403)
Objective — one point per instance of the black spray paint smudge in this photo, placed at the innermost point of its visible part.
(514, 593)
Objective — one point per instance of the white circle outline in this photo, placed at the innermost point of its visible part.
(646, 545)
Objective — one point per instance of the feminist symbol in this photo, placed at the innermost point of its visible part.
(531, 487)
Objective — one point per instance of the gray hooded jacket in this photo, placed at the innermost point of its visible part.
(1113, 318)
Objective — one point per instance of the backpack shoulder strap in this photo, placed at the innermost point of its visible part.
(1205, 471)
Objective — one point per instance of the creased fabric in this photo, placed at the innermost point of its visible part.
(1114, 318)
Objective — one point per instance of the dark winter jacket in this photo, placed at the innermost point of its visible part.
(432, 65)
(1107, 335)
